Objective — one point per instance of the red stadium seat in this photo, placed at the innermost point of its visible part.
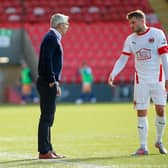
(96, 34)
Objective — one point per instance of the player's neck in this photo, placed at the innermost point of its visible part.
(143, 30)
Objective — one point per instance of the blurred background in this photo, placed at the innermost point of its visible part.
(96, 35)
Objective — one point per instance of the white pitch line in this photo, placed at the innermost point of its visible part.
(87, 165)
(30, 158)
(15, 155)
(81, 165)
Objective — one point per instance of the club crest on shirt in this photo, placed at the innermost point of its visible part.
(143, 54)
(151, 40)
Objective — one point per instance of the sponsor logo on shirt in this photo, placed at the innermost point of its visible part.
(164, 41)
(143, 54)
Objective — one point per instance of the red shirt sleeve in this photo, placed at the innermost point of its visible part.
(163, 50)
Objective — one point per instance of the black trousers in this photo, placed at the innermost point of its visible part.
(47, 107)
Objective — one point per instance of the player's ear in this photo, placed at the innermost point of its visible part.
(143, 21)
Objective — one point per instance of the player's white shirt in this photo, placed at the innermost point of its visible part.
(146, 49)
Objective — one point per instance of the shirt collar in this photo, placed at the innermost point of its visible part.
(58, 34)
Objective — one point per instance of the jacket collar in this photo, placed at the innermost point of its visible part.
(58, 34)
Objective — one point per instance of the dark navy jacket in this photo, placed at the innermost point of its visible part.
(51, 58)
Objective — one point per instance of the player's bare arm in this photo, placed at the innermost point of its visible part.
(118, 67)
(164, 59)
(166, 85)
(111, 81)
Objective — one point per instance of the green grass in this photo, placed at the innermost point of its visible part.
(90, 135)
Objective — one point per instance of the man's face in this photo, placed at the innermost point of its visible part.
(64, 28)
(136, 24)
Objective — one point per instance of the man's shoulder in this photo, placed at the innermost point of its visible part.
(155, 30)
(49, 36)
(130, 37)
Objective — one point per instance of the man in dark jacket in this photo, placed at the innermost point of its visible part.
(49, 71)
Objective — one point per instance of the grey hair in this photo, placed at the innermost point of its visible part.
(57, 19)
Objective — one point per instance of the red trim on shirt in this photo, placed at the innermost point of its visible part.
(140, 34)
(160, 73)
(163, 50)
(126, 53)
(136, 78)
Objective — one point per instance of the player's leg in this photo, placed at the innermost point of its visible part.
(91, 96)
(160, 124)
(141, 98)
(83, 94)
(159, 98)
(143, 130)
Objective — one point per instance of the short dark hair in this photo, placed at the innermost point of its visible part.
(137, 13)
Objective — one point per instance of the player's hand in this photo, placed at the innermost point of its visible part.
(110, 81)
(58, 91)
(166, 85)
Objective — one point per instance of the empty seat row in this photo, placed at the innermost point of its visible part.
(78, 10)
(72, 2)
(95, 43)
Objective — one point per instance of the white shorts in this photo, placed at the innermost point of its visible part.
(143, 92)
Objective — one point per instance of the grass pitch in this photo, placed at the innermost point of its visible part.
(90, 135)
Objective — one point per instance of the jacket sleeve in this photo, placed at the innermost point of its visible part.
(49, 54)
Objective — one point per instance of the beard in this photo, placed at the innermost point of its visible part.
(138, 30)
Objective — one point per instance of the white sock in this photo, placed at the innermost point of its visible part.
(143, 131)
(160, 124)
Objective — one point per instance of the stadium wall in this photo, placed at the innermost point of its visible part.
(8, 78)
(15, 48)
(102, 92)
(30, 56)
